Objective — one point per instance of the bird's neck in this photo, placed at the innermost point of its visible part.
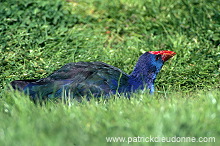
(142, 80)
(143, 76)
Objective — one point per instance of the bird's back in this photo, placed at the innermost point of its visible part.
(80, 79)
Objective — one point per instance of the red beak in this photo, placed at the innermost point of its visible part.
(165, 54)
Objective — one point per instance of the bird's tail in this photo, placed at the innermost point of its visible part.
(21, 84)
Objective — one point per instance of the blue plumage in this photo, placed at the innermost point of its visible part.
(96, 78)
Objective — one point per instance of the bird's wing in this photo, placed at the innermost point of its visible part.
(80, 79)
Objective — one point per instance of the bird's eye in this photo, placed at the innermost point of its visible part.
(158, 57)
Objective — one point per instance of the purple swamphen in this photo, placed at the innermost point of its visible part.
(96, 78)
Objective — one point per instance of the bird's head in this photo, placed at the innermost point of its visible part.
(153, 60)
(148, 66)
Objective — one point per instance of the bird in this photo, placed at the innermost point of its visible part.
(95, 79)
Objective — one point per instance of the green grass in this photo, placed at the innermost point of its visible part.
(38, 37)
